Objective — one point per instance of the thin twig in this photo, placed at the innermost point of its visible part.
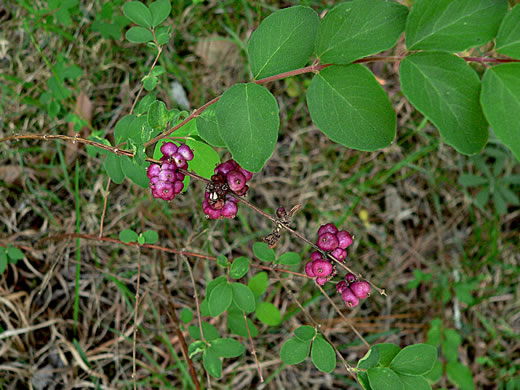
(253, 349)
(134, 346)
(149, 73)
(105, 203)
(196, 295)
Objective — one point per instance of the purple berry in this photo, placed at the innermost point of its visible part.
(308, 269)
(361, 289)
(349, 297)
(341, 286)
(321, 280)
(327, 228)
(167, 175)
(344, 239)
(185, 152)
(213, 214)
(327, 242)
(339, 254)
(248, 175)
(168, 148)
(321, 268)
(350, 278)
(179, 176)
(225, 167)
(316, 256)
(236, 180)
(164, 189)
(229, 210)
(178, 186)
(153, 170)
(178, 160)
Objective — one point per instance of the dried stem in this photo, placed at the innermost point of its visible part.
(105, 203)
(253, 349)
(196, 295)
(134, 346)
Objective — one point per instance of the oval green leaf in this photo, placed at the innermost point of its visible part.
(14, 254)
(205, 158)
(186, 315)
(237, 325)
(210, 332)
(248, 121)
(263, 252)
(351, 108)
(151, 236)
(212, 362)
(243, 297)
(113, 168)
(359, 28)
(227, 348)
(371, 359)
(220, 299)
(414, 383)
(508, 37)
(123, 129)
(295, 351)
(258, 283)
(135, 172)
(289, 258)
(446, 90)
(138, 13)
(323, 355)
(128, 235)
(139, 35)
(239, 267)
(208, 127)
(305, 332)
(160, 10)
(387, 352)
(268, 314)
(383, 378)
(415, 359)
(284, 41)
(460, 375)
(500, 99)
(158, 115)
(453, 25)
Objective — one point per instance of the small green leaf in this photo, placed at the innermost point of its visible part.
(362, 378)
(433, 336)
(139, 35)
(500, 203)
(387, 352)
(284, 41)
(415, 359)
(128, 235)
(222, 261)
(435, 373)
(258, 283)
(243, 297)
(508, 37)
(158, 115)
(14, 254)
(467, 180)
(239, 267)
(208, 127)
(289, 258)
(149, 83)
(123, 130)
(295, 351)
(356, 29)
(210, 332)
(414, 383)
(214, 283)
(450, 345)
(508, 195)
(482, 197)
(151, 236)
(460, 375)
(195, 348)
(383, 378)
(186, 315)
(371, 359)
(3, 260)
(220, 299)
(512, 179)
(135, 172)
(248, 122)
(227, 348)
(138, 13)
(144, 104)
(305, 332)
(157, 71)
(350, 107)
(160, 10)
(205, 158)
(212, 362)
(263, 252)
(140, 240)
(237, 325)
(268, 314)
(323, 355)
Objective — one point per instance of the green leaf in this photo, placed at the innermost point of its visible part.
(128, 235)
(450, 345)
(222, 261)
(383, 378)
(195, 348)
(210, 332)
(467, 180)
(243, 297)
(239, 267)
(138, 13)
(323, 355)
(512, 179)
(362, 378)
(157, 70)
(3, 260)
(359, 28)
(351, 108)
(258, 283)
(446, 90)
(160, 10)
(144, 104)
(151, 236)
(500, 203)
(284, 41)
(158, 115)
(371, 359)
(139, 35)
(433, 336)
(205, 158)
(263, 252)
(460, 375)
(212, 362)
(289, 258)
(227, 348)
(220, 299)
(414, 383)
(482, 197)
(435, 373)
(248, 121)
(124, 129)
(508, 195)
(387, 352)
(268, 314)
(453, 25)
(208, 126)
(237, 325)
(305, 332)
(135, 172)
(500, 98)
(149, 83)
(186, 315)
(14, 254)
(415, 359)
(214, 283)
(295, 351)
(508, 37)
(140, 240)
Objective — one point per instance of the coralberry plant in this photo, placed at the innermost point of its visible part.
(160, 148)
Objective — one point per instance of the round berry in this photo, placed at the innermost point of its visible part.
(165, 189)
(339, 254)
(225, 167)
(351, 300)
(178, 186)
(341, 286)
(361, 289)
(321, 280)
(350, 278)
(213, 214)
(280, 212)
(344, 239)
(178, 160)
(185, 152)
(321, 268)
(229, 210)
(168, 148)
(153, 170)
(308, 269)
(243, 191)
(327, 242)
(167, 175)
(316, 256)
(236, 180)
(248, 175)
(327, 228)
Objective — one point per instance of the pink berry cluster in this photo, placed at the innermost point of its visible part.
(352, 290)
(218, 203)
(166, 180)
(331, 240)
